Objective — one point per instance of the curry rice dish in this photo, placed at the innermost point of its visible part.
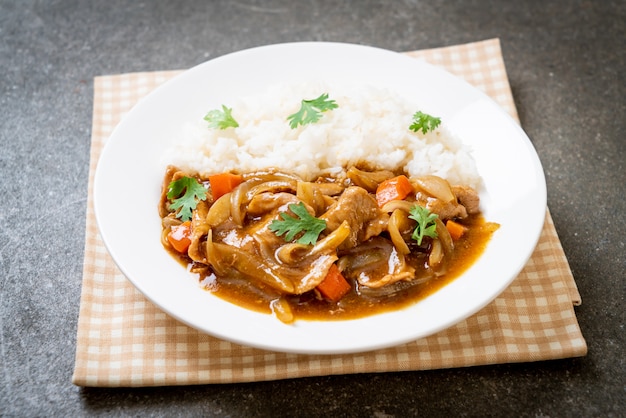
(365, 226)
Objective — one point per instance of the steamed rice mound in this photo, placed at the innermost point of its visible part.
(369, 128)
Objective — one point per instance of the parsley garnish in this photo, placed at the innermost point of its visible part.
(426, 226)
(311, 225)
(311, 111)
(221, 119)
(424, 122)
(187, 202)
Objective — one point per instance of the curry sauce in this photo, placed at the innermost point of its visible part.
(308, 306)
(334, 248)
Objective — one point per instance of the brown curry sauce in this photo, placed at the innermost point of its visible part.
(307, 306)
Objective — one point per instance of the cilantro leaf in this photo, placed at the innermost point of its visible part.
(426, 226)
(291, 226)
(311, 111)
(221, 119)
(424, 122)
(194, 191)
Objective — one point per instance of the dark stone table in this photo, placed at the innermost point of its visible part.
(566, 63)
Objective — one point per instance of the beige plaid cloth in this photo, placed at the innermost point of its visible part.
(124, 340)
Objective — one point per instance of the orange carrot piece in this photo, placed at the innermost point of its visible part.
(455, 229)
(180, 237)
(223, 183)
(334, 286)
(396, 188)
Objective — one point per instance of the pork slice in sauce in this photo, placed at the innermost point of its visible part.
(172, 173)
(466, 203)
(375, 263)
(357, 207)
(467, 197)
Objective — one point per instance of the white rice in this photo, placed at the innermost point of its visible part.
(370, 127)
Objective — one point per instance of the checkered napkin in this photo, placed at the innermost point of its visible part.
(124, 340)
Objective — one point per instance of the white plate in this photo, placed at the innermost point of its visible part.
(129, 174)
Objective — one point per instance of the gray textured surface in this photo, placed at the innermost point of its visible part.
(566, 63)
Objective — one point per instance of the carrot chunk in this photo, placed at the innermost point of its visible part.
(180, 237)
(224, 183)
(334, 286)
(455, 229)
(396, 188)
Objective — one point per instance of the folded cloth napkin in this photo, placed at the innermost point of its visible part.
(124, 340)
